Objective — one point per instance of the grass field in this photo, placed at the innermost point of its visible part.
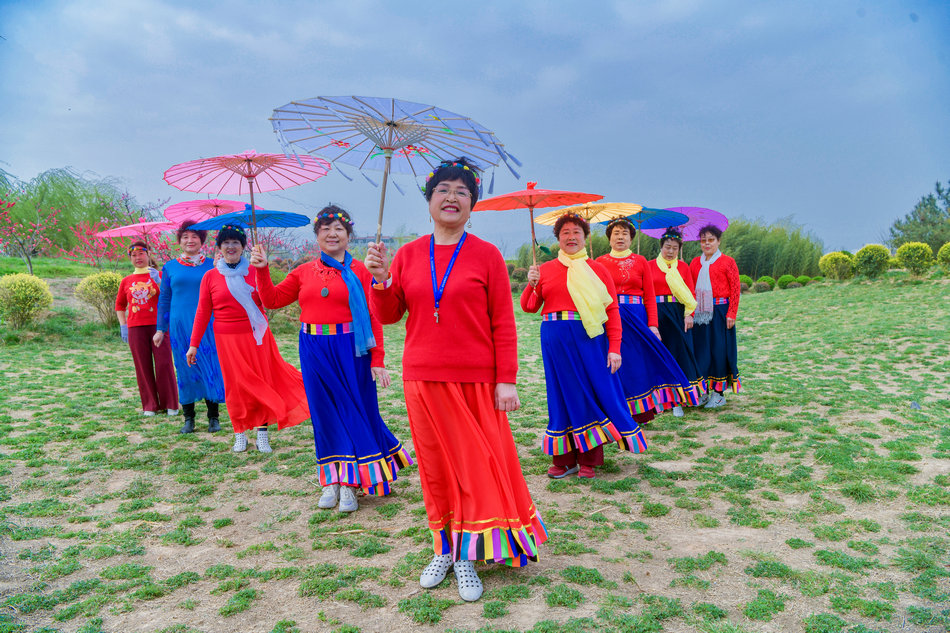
(817, 500)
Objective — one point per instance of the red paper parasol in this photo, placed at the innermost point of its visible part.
(532, 199)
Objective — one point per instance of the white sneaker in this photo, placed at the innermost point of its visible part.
(148, 414)
(716, 400)
(331, 494)
(702, 400)
(172, 411)
(263, 444)
(348, 501)
(240, 443)
(469, 584)
(678, 411)
(435, 571)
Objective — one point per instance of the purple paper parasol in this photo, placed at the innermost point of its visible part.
(698, 218)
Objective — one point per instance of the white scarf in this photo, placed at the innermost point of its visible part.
(704, 293)
(241, 291)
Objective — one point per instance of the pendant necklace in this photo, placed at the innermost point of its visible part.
(439, 288)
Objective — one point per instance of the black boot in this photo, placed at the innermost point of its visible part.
(213, 424)
(189, 411)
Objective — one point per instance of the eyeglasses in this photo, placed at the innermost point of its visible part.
(461, 193)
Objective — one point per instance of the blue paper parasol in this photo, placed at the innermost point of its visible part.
(279, 219)
(649, 218)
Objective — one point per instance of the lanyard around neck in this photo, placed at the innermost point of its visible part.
(439, 288)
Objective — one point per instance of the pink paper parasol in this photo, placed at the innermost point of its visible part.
(141, 229)
(237, 174)
(199, 210)
(698, 218)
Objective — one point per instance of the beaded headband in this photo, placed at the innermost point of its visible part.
(452, 163)
(333, 216)
(137, 247)
(232, 227)
(619, 222)
(672, 233)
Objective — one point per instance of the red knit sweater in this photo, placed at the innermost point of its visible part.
(305, 284)
(631, 276)
(660, 286)
(214, 297)
(551, 292)
(139, 294)
(724, 275)
(475, 339)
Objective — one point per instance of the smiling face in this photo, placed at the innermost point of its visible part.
(451, 204)
(333, 239)
(709, 243)
(139, 258)
(232, 251)
(670, 250)
(190, 243)
(571, 239)
(620, 238)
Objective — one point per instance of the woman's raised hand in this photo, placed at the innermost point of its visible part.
(258, 256)
(377, 261)
(534, 275)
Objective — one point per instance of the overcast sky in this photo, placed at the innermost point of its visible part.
(834, 113)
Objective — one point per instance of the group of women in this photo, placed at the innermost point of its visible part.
(606, 367)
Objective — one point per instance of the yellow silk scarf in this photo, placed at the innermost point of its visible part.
(588, 292)
(620, 254)
(677, 286)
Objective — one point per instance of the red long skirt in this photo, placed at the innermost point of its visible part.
(260, 387)
(476, 498)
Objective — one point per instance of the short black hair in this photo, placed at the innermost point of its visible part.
(621, 222)
(231, 232)
(713, 229)
(570, 218)
(330, 214)
(458, 169)
(185, 227)
(672, 233)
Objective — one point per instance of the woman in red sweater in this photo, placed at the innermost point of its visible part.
(586, 405)
(673, 288)
(650, 377)
(717, 302)
(136, 306)
(459, 367)
(341, 357)
(260, 387)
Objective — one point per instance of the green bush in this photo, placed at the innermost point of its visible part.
(519, 274)
(99, 291)
(893, 263)
(745, 279)
(761, 286)
(744, 287)
(765, 279)
(837, 265)
(871, 261)
(943, 256)
(819, 278)
(783, 281)
(803, 279)
(23, 297)
(793, 284)
(916, 257)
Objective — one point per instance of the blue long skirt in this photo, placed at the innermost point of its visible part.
(679, 342)
(586, 405)
(201, 381)
(650, 376)
(354, 447)
(717, 354)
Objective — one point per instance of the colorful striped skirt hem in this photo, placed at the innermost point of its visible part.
(373, 477)
(512, 547)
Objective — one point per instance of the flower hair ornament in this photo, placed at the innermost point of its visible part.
(334, 216)
(233, 227)
(672, 233)
(137, 247)
(452, 163)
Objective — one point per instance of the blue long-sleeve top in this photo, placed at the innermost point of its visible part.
(178, 299)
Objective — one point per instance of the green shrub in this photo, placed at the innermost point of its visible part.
(761, 286)
(916, 257)
(871, 261)
(745, 279)
(519, 274)
(803, 279)
(744, 287)
(819, 278)
(837, 265)
(23, 297)
(793, 284)
(765, 279)
(943, 256)
(99, 291)
(783, 281)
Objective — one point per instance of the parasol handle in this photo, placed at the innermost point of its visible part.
(534, 254)
(382, 195)
(250, 183)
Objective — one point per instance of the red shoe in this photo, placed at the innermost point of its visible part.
(587, 472)
(559, 472)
